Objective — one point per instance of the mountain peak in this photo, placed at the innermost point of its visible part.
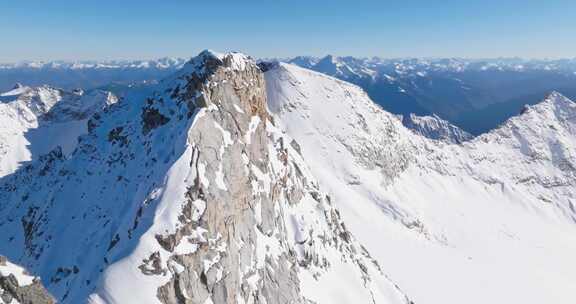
(541, 131)
(328, 65)
(304, 61)
(558, 98)
(329, 58)
(554, 106)
(207, 61)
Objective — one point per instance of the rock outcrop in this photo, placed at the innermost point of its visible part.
(18, 287)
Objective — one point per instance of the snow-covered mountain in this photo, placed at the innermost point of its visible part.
(35, 120)
(229, 182)
(188, 195)
(488, 221)
(435, 127)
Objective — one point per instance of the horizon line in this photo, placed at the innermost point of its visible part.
(158, 58)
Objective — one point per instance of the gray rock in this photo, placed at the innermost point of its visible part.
(12, 292)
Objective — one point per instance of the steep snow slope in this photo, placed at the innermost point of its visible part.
(489, 221)
(187, 195)
(33, 121)
(434, 127)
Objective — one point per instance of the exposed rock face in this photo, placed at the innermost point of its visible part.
(231, 147)
(190, 195)
(248, 253)
(16, 286)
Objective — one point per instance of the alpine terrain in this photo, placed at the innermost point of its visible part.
(491, 220)
(236, 182)
(188, 195)
(36, 120)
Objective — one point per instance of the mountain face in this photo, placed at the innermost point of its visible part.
(434, 127)
(483, 221)
(189, 195)
(476, 95)
(35, 120)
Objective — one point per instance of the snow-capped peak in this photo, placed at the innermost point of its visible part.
(560, 105)
(204, 65)
(334, 66)
(306, 62)
(548, 117)
(35, 101)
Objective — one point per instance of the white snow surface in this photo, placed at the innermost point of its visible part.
(36, 120)
(21, 275)
(488, 221)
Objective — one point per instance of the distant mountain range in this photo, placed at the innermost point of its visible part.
(476, 95)
(87, 74)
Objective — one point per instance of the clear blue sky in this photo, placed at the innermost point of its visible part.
(126, 29)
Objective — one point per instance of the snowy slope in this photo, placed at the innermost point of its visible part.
(186, 195)
(435, 127)
(489, 221)
(33, 121)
